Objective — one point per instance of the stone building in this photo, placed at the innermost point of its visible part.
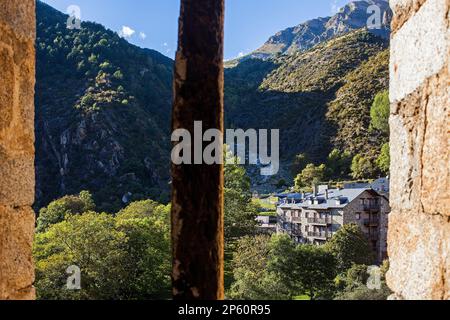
(317, 217)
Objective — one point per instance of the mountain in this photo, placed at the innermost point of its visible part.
(102, 114)
(320, 99)
(103, 106)
(304, 36)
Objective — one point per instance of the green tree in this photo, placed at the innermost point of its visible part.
(362, 167)
(316, 271)
(240, 212)
(122, 257)
(302, 269)
(282, 261)
(252, 279)
(380, 112)
(339, 163)
(312, 174)
(141, 208)
(88, 241)
(57, 210)
(93, 59)
(384, 160)
(118, 75)
(350, 246)
(240, 215)
(356, 281)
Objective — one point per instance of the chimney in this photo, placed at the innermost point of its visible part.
(315, 190)
(327, 195)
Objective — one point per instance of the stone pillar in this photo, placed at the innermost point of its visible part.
(419, 228)
(197, 193)
(17, 74)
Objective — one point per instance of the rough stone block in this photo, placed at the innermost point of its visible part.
(16, 265)
(419, 49)
(435, 189)
(7, 88)
(419, 256)
(17, 97)
(19, 15)
(17, 179)
(420, 174)
(407, 123)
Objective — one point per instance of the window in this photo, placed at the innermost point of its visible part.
(358, 216)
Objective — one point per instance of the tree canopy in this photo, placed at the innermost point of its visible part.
(350, 246)
(384, 160)
(312, 174)
(380, 112)
(57, 210)
(126, 256)
(362, 167)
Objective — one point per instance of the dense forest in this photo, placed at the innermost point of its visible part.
(102, 114)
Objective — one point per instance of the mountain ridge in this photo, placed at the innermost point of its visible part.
(306, 35)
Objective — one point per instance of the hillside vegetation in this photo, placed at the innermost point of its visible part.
(102, 114)
(320, 99)
(103, 109)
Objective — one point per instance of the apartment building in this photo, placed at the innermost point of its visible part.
(316, 217)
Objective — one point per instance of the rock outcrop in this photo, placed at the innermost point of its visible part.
(352, 16)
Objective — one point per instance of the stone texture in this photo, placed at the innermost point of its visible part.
(17, 179)
(420, 48)
(17, 69)
(419, 224)
(16, 265)
(18, 15)
(419, 148)
(435, 173)
(419, 255)
(403, 10)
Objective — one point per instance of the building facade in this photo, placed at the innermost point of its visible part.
(319, 215)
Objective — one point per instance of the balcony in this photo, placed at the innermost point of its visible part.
(320, 221)
(296, 219)
(319, 235)
(371, 207)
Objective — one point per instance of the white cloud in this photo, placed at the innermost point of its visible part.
(142, 35)
(126, 32)
(165, 44)
(241, 54)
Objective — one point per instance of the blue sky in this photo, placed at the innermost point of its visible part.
(153, 23)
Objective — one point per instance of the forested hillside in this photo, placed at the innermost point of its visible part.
(102, 114)
(320, 99)
(103, 107)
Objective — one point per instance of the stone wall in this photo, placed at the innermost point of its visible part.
(419, 229)
(17, 69)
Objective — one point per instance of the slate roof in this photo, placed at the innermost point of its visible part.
(337, 199)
